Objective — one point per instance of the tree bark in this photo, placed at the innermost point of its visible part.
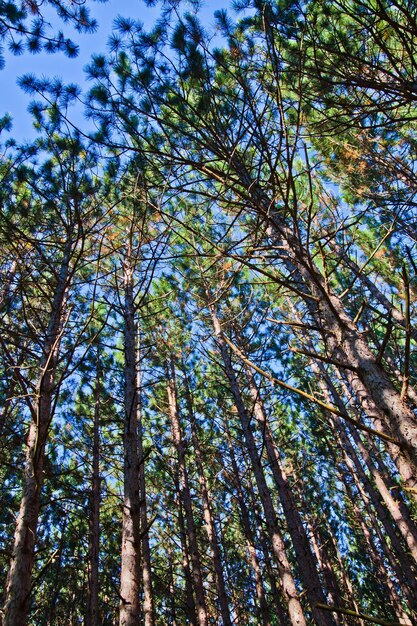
(130, 609)
(395, 506)
(379, 398)
(300, 541)
(385, 581)
(197, 576)
(18, 584)
(148, 601)
(264, 616)
(92, 611)
(208, 511)
(295, 609)
(189, 592)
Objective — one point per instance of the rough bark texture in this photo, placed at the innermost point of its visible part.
(18, 584)
(386, 583)
(395, 506)
(130, 550)
(380, 400)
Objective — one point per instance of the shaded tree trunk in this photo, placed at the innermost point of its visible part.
(300, 541)
(262, 604)
(295, 609)
(197, 576)
(18, 584)
(148, 602)
(130, 609)
(92, 610)
(190, 610)
(208, 512)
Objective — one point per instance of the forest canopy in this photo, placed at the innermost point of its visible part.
(208, 401)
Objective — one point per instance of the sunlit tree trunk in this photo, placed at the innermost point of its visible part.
(395, 506)
(379, 566)
(377, 395)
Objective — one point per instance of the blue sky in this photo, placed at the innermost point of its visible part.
(14, 101)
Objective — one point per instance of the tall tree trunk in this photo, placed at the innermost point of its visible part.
(197, 576)
(295, 609)
(300, 541)
(18, 584)
(276, 592)
(335, 597)
(396, 506)
(190, 610)
(148, 602)
(172, 594)
(208, 511)
(370, 285)
(264, 616)
(367, 488)
(92, 609)
(379, 398)
(130, 549)
(380, 573)
(58, 576)
(403, 465)
(346, 582)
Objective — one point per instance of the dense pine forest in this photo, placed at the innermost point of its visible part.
(207, 319)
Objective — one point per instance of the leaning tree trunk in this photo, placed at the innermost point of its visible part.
(295, 609)
(388, 587)
(330, 540)
(398, 453)
(375, 392)
(264, 616)
(19, 578)
(299, 538)
(400, 517)
(396, 506)
(370, 285)
(379, 398)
